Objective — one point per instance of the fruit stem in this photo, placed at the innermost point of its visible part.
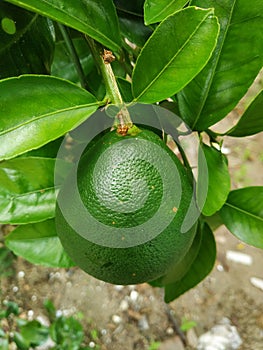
(103, 60)
(73, 53)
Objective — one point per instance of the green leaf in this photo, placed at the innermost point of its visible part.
(243, 215)
(22, 344)
(158, 10)
(35, 110)
(134, 7)
(27, 190)
(49, 150)
(67, 332)
(96, 18)
(6, 264)
(11, 308)
(63, 65)
(218, 179)
(39, 244)
(27, 42)
(125, 89)
(200, 268)
(34, 333)
(50, 308)
(233, 67)
(134, 29)
(251, 121)
(174, 54)
(177, 271)
(187, 325)
(96, 84)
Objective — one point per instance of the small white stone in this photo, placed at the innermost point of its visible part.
(134, 295)
(124, 305)
(169, 331)
(225, 150)
(49, 344)
(143, 323)
(103, 331)
(43, 320)
(116, 319)
(223, 336)
(59, 313)
(237, 257)
(92, 344)
(220, 268)
(118, 287)
(15, 289)
(34, 298)
(30, 314)
(21, 274)
(257, 282)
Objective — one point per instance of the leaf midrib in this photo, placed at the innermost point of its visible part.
(15, 196)
(214, 68)
(254, 216)
(47, 115)
(171, 60)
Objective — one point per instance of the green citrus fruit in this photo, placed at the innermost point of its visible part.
(120, 212)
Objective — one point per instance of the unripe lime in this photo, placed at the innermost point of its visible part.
(120, 213)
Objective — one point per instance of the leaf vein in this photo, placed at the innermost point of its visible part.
(243, 211)
(47, 115)
(169, 62)
(212, 73)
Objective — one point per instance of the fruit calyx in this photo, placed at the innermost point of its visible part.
(130, 130)
(123, 123)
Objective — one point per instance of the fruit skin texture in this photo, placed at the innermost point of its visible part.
(115, 179)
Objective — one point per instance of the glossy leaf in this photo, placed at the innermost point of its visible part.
(251, 121)
(96, 84)
(29, 46)
(27, 191)
(233, 67)
(50, 150)
(200, 268)
(34, 333)
(177, 50)
(63, 65)
(96, 18)
(158, 10)
(134, 7)
(39, 244)
(177, 271)
(125, 89)
(45, 108)
(243, 215)
(133, 28)
(218, 179)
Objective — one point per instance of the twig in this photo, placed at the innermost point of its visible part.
(176, 327)
(73, 54)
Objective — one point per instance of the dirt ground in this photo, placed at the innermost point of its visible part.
(134, 317)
